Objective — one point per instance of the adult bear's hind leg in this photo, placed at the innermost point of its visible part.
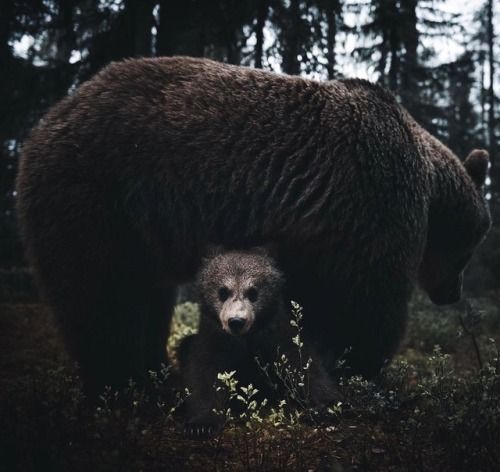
(117, 339)
(98, 276)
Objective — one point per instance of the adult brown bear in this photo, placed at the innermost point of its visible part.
(124, 184)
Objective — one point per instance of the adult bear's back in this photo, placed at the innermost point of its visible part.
(250, 155)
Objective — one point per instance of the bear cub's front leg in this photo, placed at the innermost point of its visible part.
(201, 357)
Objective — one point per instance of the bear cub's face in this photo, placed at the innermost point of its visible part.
(240, 290)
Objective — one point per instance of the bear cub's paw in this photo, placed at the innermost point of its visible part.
(203, 427)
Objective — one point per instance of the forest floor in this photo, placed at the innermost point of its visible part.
(434, 408)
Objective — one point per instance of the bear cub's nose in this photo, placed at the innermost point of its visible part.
(236, 324)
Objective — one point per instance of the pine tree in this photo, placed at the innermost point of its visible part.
(393, 45)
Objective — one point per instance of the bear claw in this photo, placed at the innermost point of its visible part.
(197, 431)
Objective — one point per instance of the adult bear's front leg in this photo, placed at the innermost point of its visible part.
(369, 332)
(355, 330)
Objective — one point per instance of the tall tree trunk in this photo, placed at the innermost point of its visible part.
(228, 30)
(262, 13)
(7, 15)
(495, 171)
(142, 22)
(394, 44)
(484, 121)
(232, 49)
(410, 38)
(171, 15)
(180, 30)
(331, 19)
(64, 33)
(64, 41)
(290, 61)
(382, 63)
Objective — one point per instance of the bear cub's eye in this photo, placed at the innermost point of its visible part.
(223, 294)
(252, 294)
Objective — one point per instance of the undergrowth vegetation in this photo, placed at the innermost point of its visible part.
(435, 407)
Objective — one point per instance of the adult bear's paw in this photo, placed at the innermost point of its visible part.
(205, 427)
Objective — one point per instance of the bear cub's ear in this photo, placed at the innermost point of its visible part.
(476, 164)
(269, 249)
(213, 250)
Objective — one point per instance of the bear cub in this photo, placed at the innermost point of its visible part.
(244, 315)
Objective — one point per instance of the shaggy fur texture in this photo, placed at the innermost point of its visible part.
(246, 284)
(124, 183)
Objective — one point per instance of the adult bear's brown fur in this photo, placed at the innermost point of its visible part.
(124, 184)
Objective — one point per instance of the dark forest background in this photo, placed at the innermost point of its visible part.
(48, 47)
